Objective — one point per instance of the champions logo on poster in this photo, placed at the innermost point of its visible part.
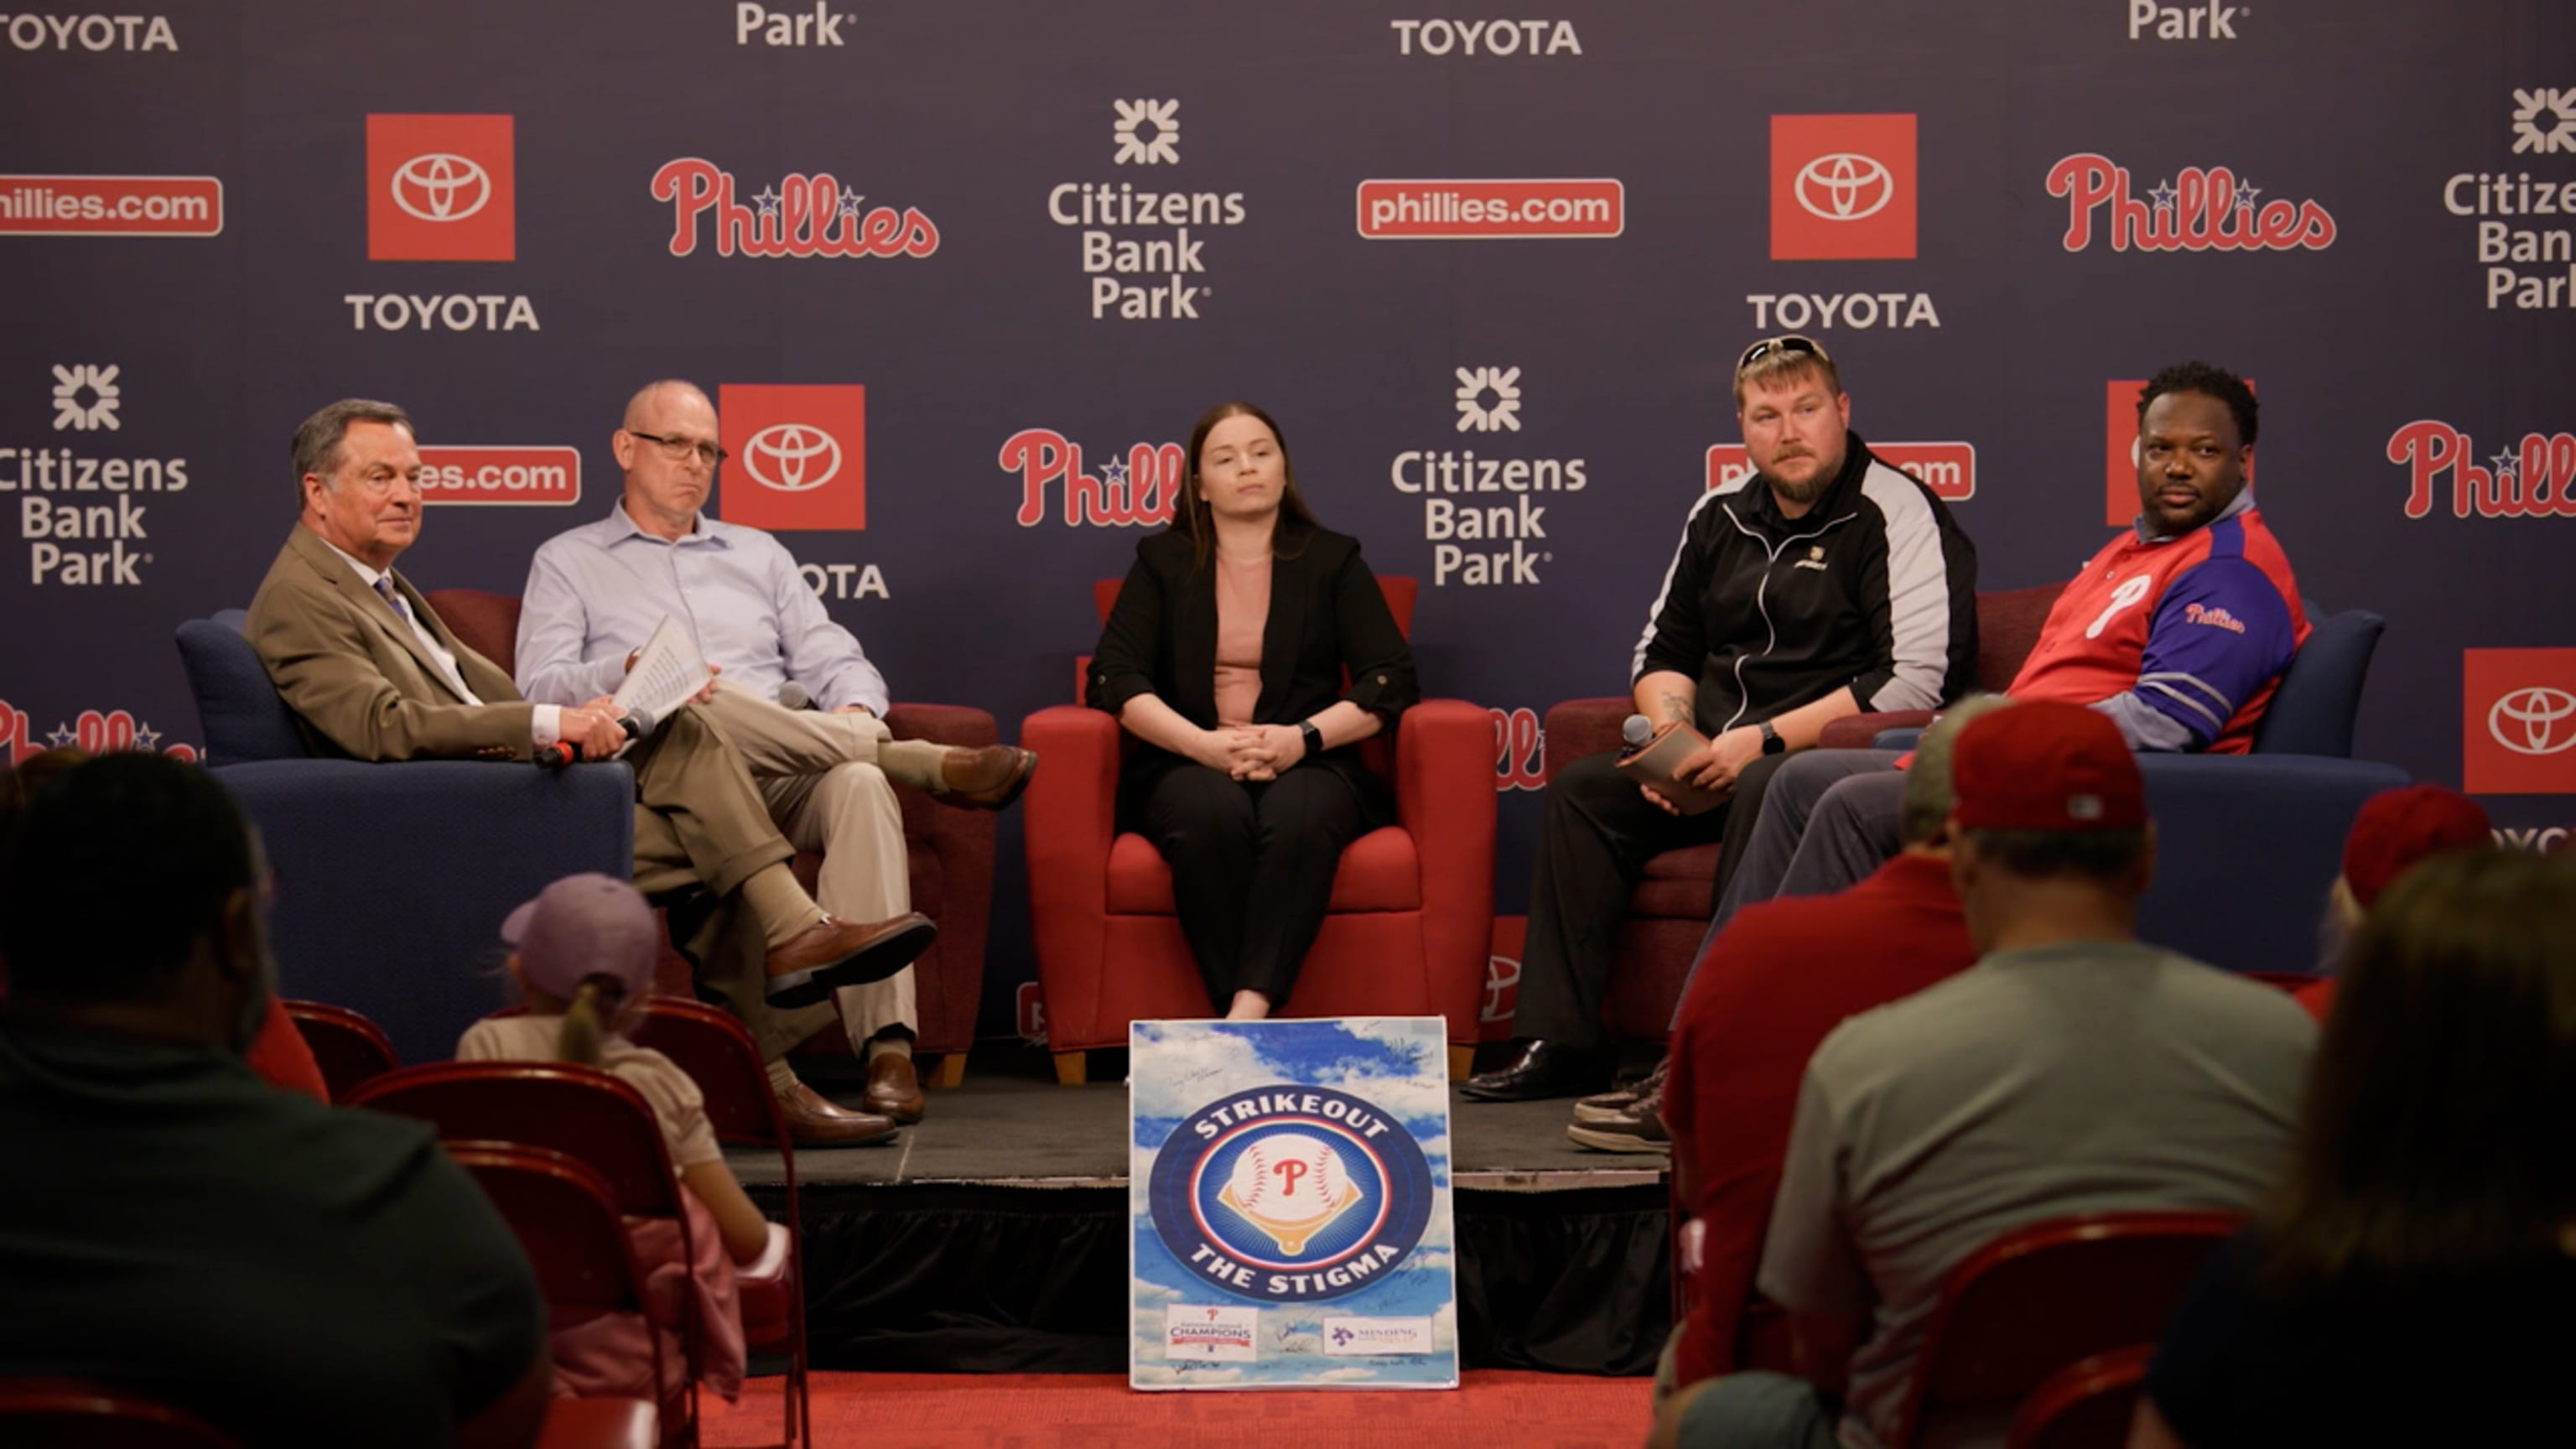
(1291, 1195)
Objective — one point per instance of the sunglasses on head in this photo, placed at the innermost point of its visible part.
(1787, 342)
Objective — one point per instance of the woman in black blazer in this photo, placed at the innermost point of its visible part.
(1225, 656)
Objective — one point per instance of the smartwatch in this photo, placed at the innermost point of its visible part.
(1772, 744)
(1314, 737)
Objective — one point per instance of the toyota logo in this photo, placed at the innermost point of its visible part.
(2534, 721)
(1844, 186)
(441, 186)
(792, 457)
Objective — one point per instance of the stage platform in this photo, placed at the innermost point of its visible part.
(992, 1237)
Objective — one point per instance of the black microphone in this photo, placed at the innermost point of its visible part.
(1635, 733)
(635, 722)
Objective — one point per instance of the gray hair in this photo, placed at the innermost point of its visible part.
(1928, 796)
(317, 442)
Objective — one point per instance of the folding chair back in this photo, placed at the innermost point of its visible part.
(2085, 1405)
(345, 1044)
(2046, 1294)
(57, 1413)
(579, 1111)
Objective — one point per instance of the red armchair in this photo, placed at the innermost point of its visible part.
(1412, 907)
(1669, 912)
(950, 852)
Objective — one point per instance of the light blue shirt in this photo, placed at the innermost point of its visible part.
(595, 594)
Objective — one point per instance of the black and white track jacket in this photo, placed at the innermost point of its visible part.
(1875, 588)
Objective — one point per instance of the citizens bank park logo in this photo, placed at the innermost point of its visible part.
(482, 473)
(2518, 721)
(1291, 1195)
(795, 216)
(1948, 469)
(799, 456)
(92, 731)
(1842, 187)
(442, 189)
(166, 206)
(2531, 268)
(1143, 252)
(2535, 478)
(80, 515)
(2197, 210)
(1142, 487)
(2120, 418)
(1486, 399)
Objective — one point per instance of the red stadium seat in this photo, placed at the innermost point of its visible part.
(1411, 919)
(2045, 1295)
(2085, 1405)
(567, 1220)
(579, 1111)
(345, 1044)
(51, 1413)
(712, 1047)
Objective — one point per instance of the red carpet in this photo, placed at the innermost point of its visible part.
(1098, 1411)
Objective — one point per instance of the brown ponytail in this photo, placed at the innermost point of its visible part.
(595, 1000)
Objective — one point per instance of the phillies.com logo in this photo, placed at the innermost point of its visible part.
(2197, 211)
(1144, 487)
(798, 216)
(91, 732)
(2535, 480)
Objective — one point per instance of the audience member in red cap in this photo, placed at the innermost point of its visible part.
(2072, 1069)
(2393, 830)
(2409, 1281)
(583, 953)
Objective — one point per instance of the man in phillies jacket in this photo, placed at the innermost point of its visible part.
(2178, 630)
(1824, 584)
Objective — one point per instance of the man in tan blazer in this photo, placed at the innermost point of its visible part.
(374, 674)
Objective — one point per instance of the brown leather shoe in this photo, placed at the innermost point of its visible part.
(834, 952)
(893, 1088)
(986, 779)
(814, 1120)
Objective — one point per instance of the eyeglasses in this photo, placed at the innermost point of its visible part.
(1787, 342)
(681, 450)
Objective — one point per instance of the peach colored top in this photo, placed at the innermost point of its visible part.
(1242, 611)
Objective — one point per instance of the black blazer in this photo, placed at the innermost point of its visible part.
(1326, 615)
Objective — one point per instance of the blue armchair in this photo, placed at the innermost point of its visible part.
(392, 879)
(2247, 845)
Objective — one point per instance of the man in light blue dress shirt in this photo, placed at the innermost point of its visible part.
(795, 691)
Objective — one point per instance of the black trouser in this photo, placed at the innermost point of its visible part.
(1594, 842)
(1252, 868)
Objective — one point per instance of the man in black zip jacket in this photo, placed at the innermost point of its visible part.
(1824, 584)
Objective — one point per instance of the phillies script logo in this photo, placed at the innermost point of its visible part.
(1842, 186)
(1520, 748)
(2518, 721)
(2197, 211)
(799, 455)
(1143, 487)
(441, 188)
(1291, 1194)
(2534, 480)
(91, 731)
(799, 216)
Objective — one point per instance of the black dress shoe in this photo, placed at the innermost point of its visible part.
(1542, 1069)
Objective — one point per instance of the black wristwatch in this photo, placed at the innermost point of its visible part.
(1314, 737)
(1772, 744)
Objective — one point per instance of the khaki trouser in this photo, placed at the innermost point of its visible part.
(818, 775)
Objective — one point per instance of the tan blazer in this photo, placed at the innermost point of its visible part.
(359, 680)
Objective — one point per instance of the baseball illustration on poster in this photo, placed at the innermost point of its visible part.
(1291, 1205)
(958, 288)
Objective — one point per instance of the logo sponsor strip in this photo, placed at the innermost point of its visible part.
(2518, 721)
(187, 206)
(490, 473)
(1463, 210)
(1948, 469)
